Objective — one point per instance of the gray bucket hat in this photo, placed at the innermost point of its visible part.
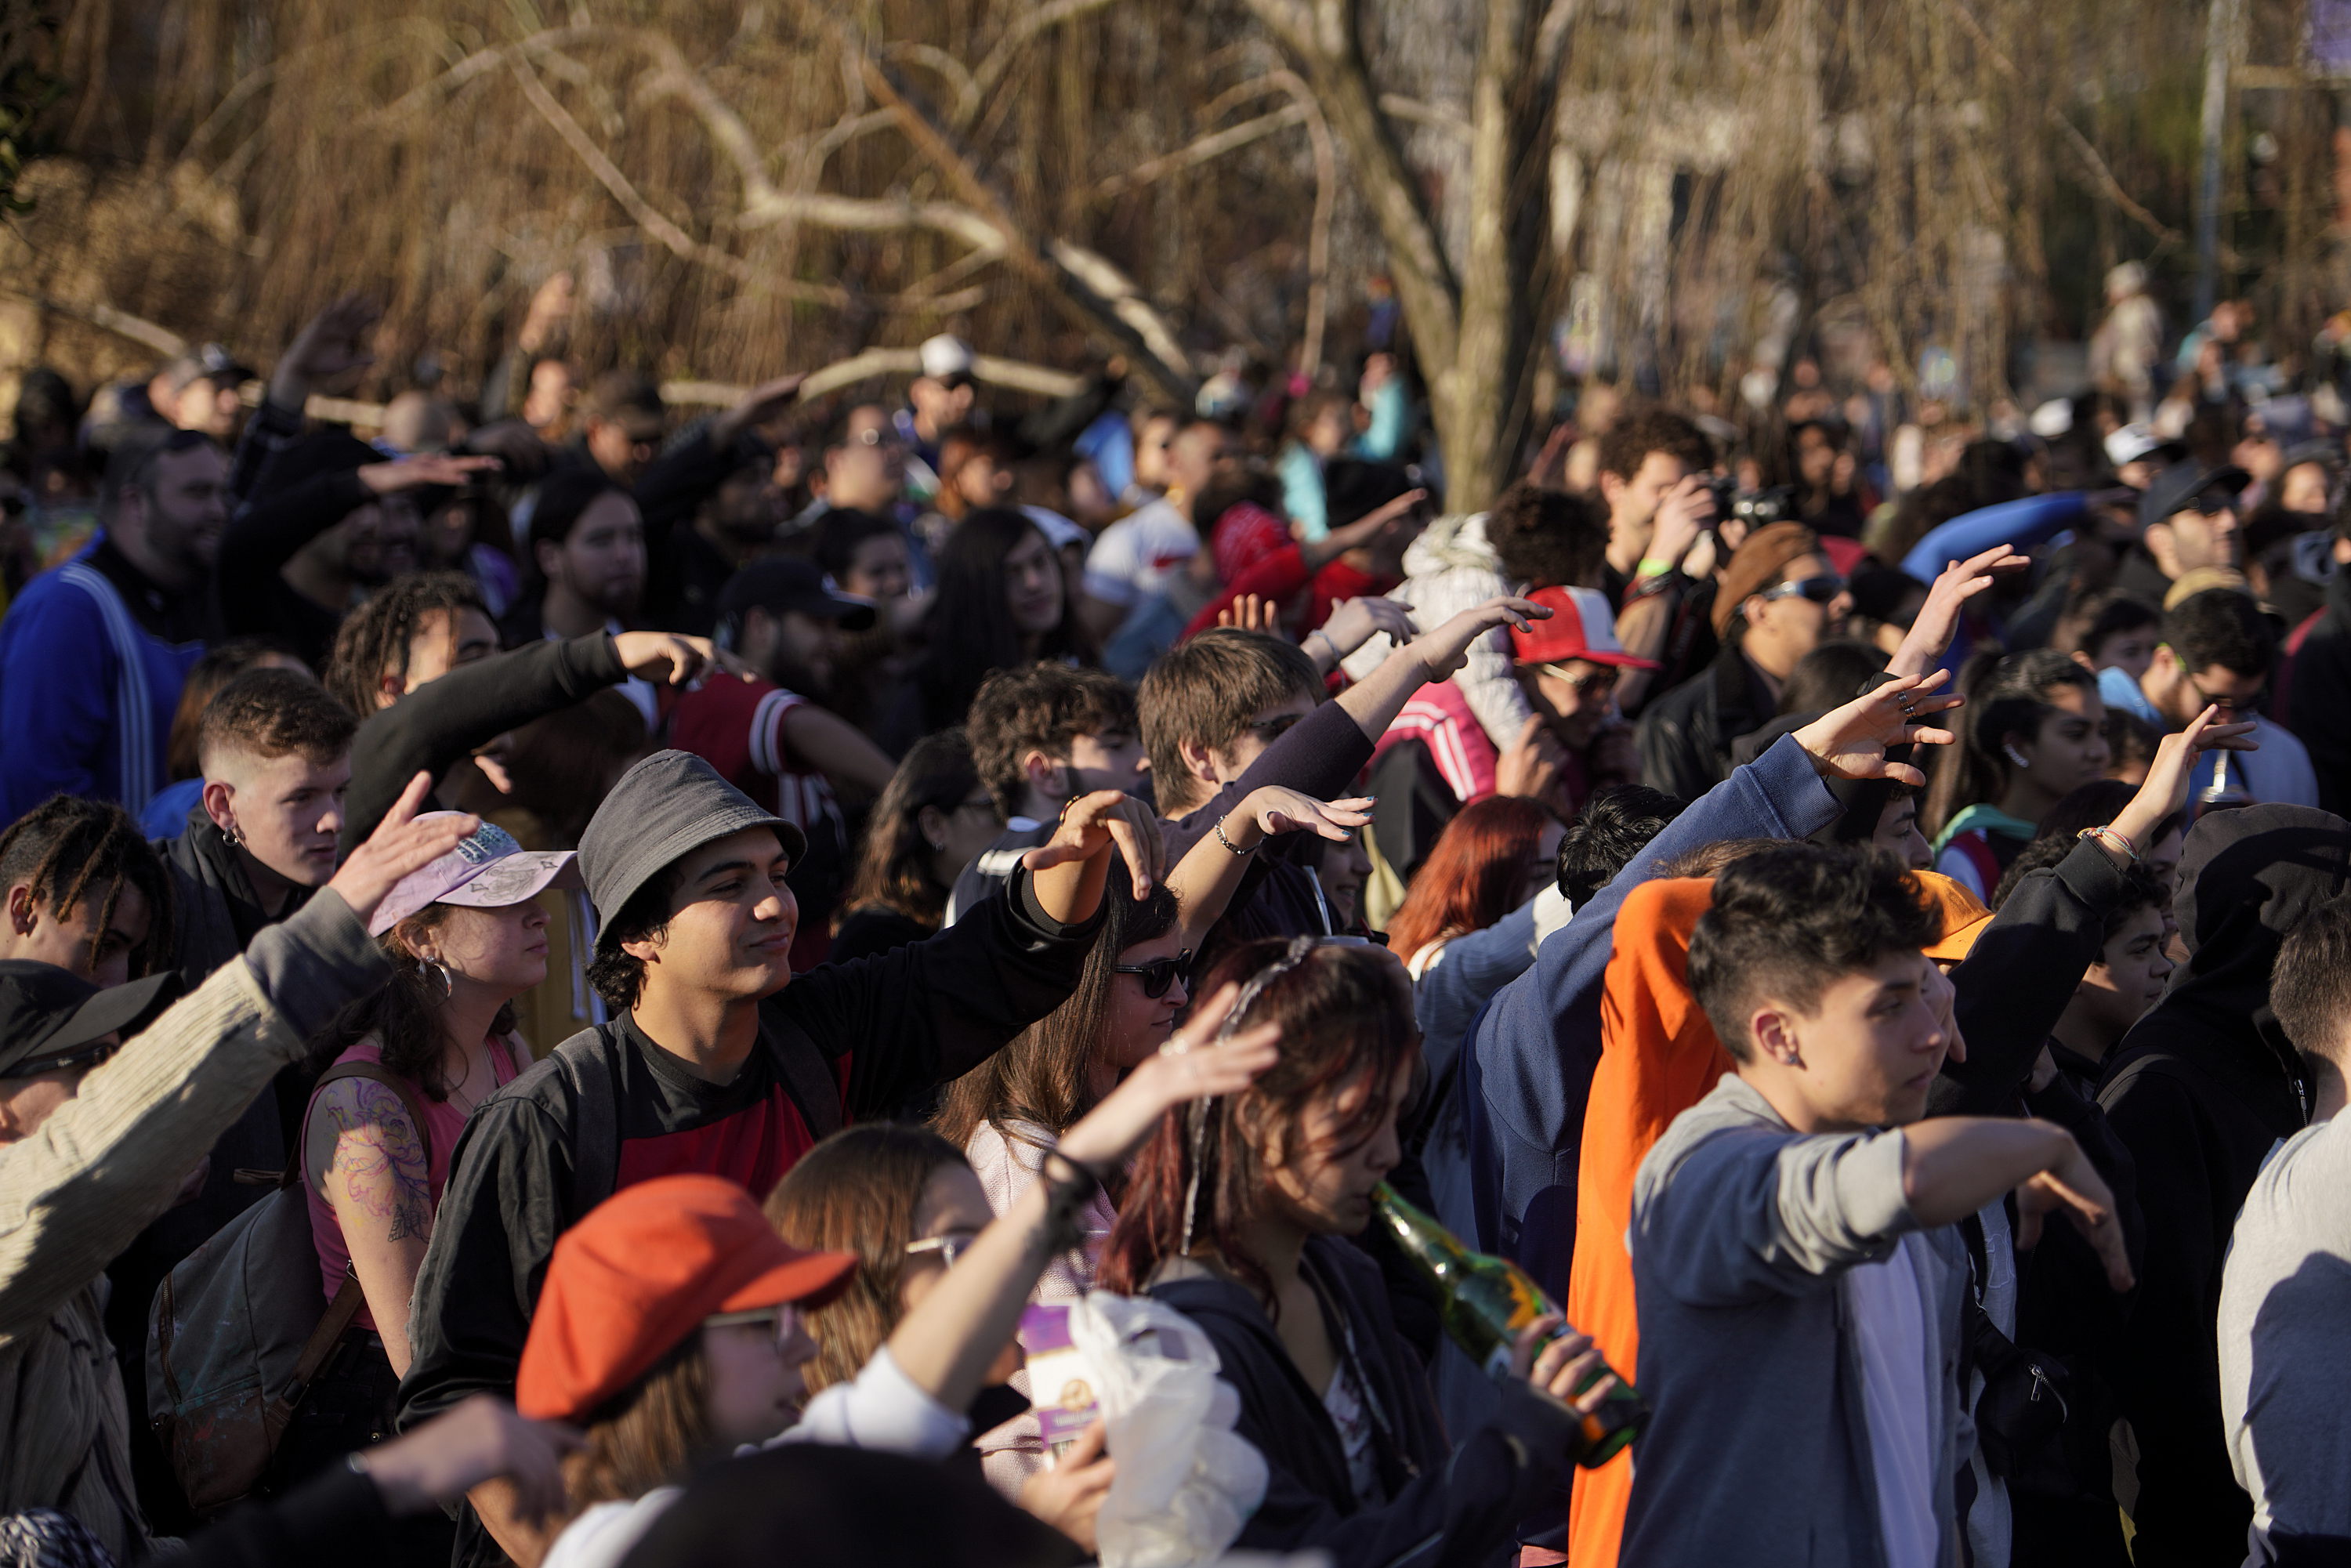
(662, 809)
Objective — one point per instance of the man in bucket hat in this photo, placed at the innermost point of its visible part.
(718, 1061)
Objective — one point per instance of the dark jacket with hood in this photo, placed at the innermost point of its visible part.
(2318, 707)
(1440, 1505)
(2199, 1091)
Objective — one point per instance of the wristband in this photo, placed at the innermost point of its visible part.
(2111, 840)
(1318, 632)
(1652, 566)
(1218, 827)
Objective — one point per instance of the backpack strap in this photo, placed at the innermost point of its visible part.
(586, 1062)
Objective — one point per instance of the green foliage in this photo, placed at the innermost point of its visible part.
(28, 87)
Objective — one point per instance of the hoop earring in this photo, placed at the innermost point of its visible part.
(448, 982)
(231, 837)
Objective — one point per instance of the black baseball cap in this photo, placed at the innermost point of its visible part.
(51, 1018)
(791, 582)
(2182, 482)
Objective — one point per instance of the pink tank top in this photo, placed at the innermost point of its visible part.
(443, 1122)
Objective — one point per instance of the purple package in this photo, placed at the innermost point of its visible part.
(1061, 1382)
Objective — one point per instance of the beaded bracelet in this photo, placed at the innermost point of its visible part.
(2111, 840)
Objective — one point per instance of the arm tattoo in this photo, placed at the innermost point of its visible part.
(378, 1157)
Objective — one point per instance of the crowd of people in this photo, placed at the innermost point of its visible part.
(573, 979)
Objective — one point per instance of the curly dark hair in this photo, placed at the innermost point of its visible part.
(1788, 922)
(1614, 825)
(1548, 538)
(373, 639)
(1630, 441)
(1043, 706)
(618, 977)
(67, 848)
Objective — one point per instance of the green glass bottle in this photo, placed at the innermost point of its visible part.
(1487, 1300)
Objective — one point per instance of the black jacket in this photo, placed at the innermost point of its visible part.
(256, 601)
(336, 1518)
(1440, 1506)
(842, 1042)
(1685, 737)
(2199, 1091)
(441, 722)
(2319, 703)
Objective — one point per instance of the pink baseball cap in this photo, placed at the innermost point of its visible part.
(1581, 627)
(487, 870)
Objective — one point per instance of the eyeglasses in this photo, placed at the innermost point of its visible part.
(1819, 590)
(1274, 728)
(947, 1248)
(784, 1319)
(1159, 974)
(1599, 682)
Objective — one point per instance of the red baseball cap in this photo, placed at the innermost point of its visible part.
(1581, 627)
(631, 1280)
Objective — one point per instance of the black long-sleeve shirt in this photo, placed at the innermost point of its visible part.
(439, 724)
(255, 599)
(842, 1042)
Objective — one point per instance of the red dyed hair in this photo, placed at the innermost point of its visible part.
(1475, 875)
(1345, 1012)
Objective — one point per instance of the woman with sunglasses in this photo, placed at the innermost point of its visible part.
(1237, 1214)
(1007, 1111)
(676, 1326)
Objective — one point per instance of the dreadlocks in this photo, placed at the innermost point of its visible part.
(375, 638)
(67, 848)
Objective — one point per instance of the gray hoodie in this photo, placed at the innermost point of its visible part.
(1758, 1450)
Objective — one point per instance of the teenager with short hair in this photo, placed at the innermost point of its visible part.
(1041, 735)
(1790, 1233)
(84, 892)
(2217, 647)
(2284, 1306)
(2128, 977)
(717, 1059)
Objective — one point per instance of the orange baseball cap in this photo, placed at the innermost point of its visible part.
(1963, 915)
(629, 1282)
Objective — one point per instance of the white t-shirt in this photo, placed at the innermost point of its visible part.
(1888, 1314)
(1138, 555)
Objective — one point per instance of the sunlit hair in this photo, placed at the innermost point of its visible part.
(1476, 874)
(856, 1192)
(1345, 1012)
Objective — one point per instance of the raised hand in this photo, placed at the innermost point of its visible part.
(678, 660)
(326, 354)
(757, 406)
(1195, 1064)
(1850, 742)
(1093, 822)
(2165, 788)
(1447, 649)
(1251, 614)
(423, 469)
(1682, 516)
(399, 845)
(1357, 620)
(1261, 813)
(551, 310)
(1939, 619)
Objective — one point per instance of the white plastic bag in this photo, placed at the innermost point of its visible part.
(1186, 1482)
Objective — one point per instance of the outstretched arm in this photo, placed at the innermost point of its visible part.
(1206, 879)
(1374, 701)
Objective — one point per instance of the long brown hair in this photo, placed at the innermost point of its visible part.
(1345, 1011)
(648, 1435)
(894, 869)
(1475, 875)
(404, 1014)
(1045, 1076)
(856, 1192)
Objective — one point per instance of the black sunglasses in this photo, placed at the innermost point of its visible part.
(1158, 975)
(1819, 590)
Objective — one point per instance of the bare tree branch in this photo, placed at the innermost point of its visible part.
(999, 60)
(1438, 116)
(1215, 144)
(2054, 113)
